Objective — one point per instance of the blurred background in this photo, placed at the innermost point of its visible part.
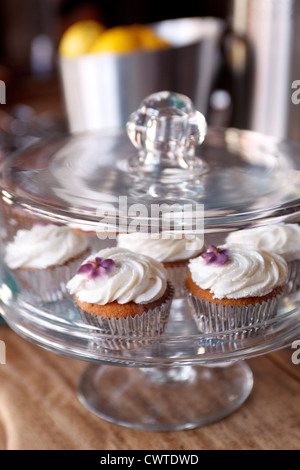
(23, 21)
(254, 61)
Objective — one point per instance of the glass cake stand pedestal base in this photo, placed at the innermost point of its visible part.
(165, 398)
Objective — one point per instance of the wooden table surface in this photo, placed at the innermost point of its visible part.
(39, 408)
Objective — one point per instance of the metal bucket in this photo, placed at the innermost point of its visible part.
(101, 90)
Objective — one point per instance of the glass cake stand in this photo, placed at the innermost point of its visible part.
(171, 175)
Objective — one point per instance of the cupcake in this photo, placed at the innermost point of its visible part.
(234, 287)
(124, 294)
(282, 239)
(174, 252)
(43, 258)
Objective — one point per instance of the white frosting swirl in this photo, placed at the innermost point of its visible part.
(283, 239)
(162, 249)
(43, 246)
(248, 273)
(135, 278)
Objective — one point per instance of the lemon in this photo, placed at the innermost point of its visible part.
(119, 39)
(123, 39)
(148, 39)
(79, 37)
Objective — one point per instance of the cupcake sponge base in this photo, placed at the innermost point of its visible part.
(116, 310)
(206, 295)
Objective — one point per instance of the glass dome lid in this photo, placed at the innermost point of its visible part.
(168, 169)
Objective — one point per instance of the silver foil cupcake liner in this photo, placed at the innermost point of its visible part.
(47, 285)
(233, 322)
(293, 278)
(131, 332)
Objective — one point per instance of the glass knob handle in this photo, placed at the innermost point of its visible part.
(166, 130)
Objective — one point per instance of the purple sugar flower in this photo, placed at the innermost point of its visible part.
(98, 268)
(216, 256)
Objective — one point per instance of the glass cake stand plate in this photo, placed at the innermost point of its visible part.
(209, 182)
